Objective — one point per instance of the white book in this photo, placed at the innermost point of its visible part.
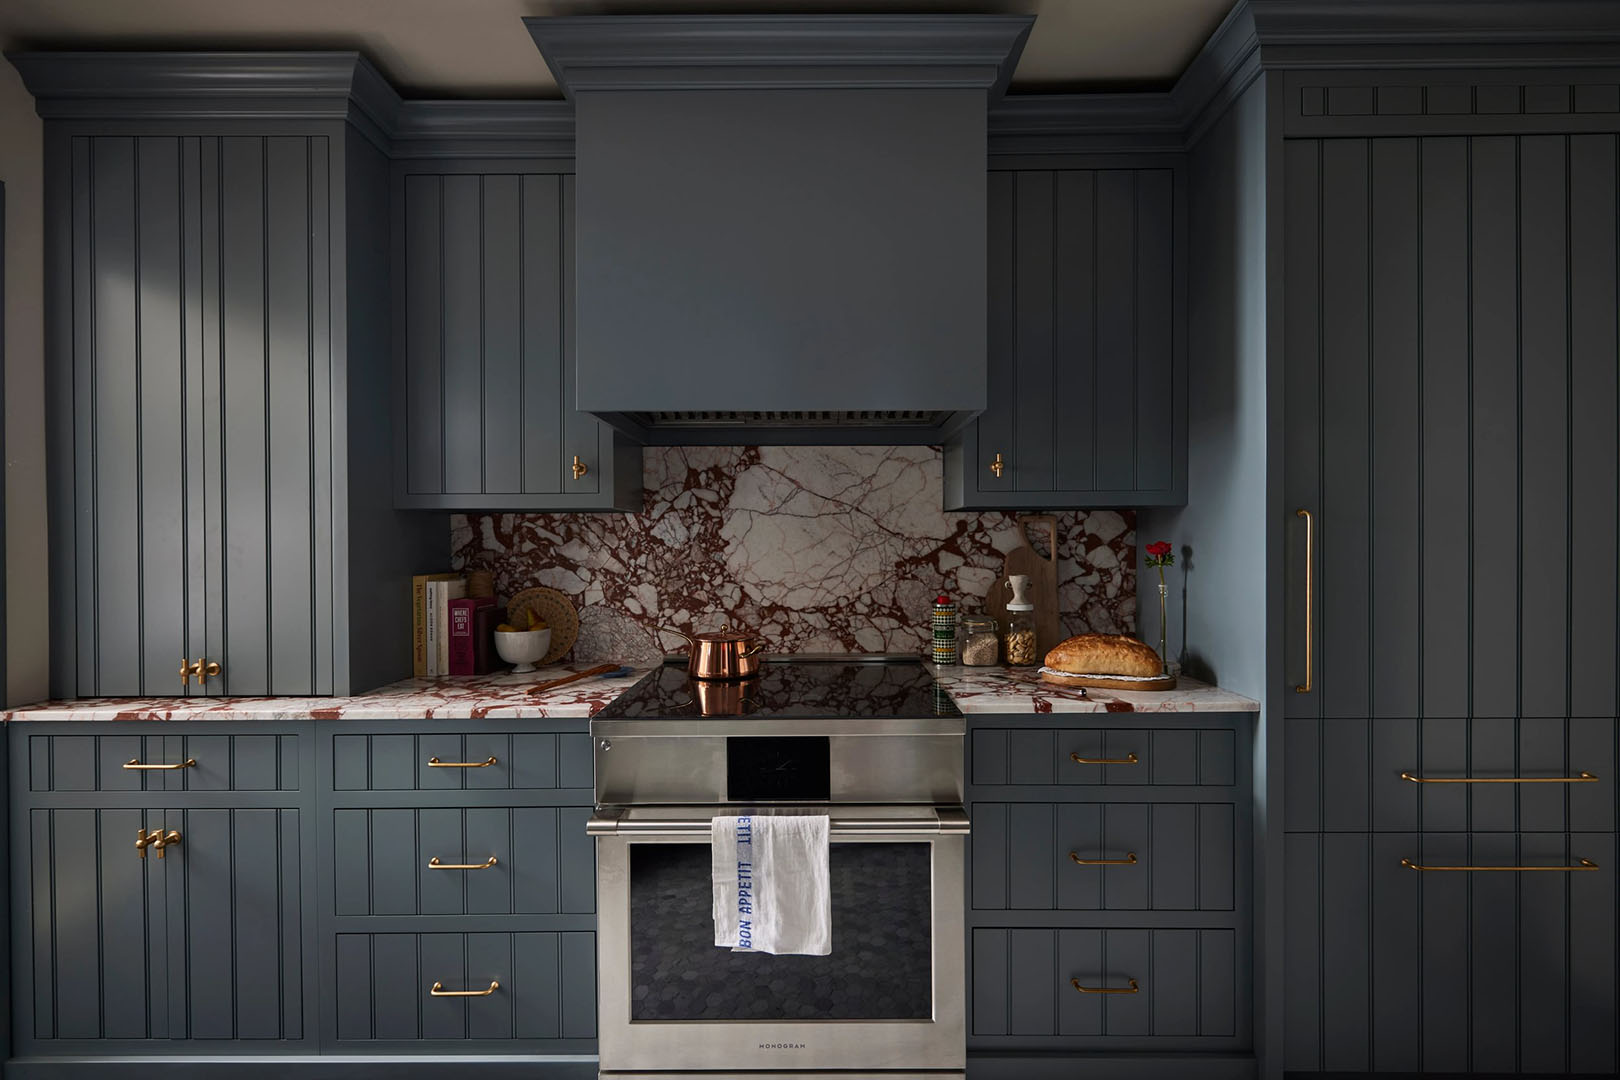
(430, 604)
(448, 591)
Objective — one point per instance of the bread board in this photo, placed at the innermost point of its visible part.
(1108, 682)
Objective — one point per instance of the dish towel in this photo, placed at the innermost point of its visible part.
(771, 891)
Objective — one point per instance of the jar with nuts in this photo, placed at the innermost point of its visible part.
(1018, 645)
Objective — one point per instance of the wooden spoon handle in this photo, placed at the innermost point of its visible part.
(552, 684)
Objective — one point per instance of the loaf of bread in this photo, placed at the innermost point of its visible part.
(1104, 654)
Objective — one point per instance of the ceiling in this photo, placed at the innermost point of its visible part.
(479, 49)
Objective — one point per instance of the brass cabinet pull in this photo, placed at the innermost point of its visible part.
(1128, 860)
(1131, 989)
(205, 669)
(579, 468)
(1310, 595)
(156, 839)
(135, 763)
(1128, 759)
(997, 465)
(187, 670)
(435, 763)
(1580, 864)
(438, 990)
(435, 864)
(1583, 778)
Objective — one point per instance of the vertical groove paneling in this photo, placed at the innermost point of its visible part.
(1034, 369)
(582, 433)
(87, 675)
(1156, 332)
(194, 465)
(995, 425)
(504, 442)
(1301, 464)
(1075, 289)
(541, 271)
(1116, 329)
(461, 240)
(319, 477)
(212, 230)
(424, 408)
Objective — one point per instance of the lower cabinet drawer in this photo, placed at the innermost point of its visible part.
(1086, 757)
(503, 987)
(1052, 988)
(1104, 856)
(490, 860)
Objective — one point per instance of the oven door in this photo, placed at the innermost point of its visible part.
(889, 996)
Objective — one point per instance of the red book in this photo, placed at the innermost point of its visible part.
(463, 624)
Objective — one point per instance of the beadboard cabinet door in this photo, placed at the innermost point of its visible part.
(1087, 362)
(201, 428)
(484, 292)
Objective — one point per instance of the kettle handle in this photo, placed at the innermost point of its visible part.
(690, 640)
(758, 648)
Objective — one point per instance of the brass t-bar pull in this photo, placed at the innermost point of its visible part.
(157, 839)
(1580, 864)
(1128, 860)
(1582, 778)
(1131, 989)
(435, 864)
(435, 763)
(579, 468)
(1128, 759)
(438, 990)
(135, 763)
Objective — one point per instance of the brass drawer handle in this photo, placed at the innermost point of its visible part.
(157, 838)
(135, 763)
(1128, 860)
(997, 466)
(438, 990)
(1131, 989)
(1580, 864)
(1128, 759)
(1583, 778)
(579, 468)
(1310, 594)
(435, 864)
(435, 763)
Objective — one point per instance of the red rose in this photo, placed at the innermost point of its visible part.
(1159, 549)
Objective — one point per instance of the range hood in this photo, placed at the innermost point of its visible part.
(780, 221)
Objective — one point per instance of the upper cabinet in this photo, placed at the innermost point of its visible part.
(217, 385)
(484, 349)
(1088, 346)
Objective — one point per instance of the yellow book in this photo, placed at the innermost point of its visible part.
(419, 613)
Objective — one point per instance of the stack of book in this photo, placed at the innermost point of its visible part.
(452, 633)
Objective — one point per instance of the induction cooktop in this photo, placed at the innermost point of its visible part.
(832, 686)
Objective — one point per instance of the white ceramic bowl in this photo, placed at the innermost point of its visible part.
(522, 648)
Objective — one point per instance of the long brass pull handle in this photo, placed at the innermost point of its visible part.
(1582, 778)
(435, 763)
(1580, 864)
(438, 990)
(579, 468)
(1131, 989)
(1310, 596)
(997, 466)
(1128, 759)
(1128, 860)
(435, 864)
(135, 763)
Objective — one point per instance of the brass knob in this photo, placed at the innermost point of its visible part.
(579, 468)
(997, 465)
(144, 839)
(188, 670)
(161, 840)
(205, 670)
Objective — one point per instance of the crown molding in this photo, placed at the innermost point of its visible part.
(484, 129)
(1435, 22)
(1083, 124)
(738, 52)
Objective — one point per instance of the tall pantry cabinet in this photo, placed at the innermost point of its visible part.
(1449, 470)
(218, 266)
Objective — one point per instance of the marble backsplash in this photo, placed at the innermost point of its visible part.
(819, 549)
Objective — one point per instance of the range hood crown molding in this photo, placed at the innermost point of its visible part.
(737, 52)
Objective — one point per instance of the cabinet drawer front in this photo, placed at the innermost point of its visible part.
(131, 762)
(1186, 984)
(544, 986)
(1046, 756)
(1449, 971)
(1155, 856)
(544, 864)
(1346, 775)
(456, 762)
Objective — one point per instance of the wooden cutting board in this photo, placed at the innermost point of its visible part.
(1042, 571)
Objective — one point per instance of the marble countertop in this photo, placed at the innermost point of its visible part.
(1006, 690)
(473, 697)
(505, 696)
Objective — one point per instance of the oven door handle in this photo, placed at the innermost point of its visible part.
(945, 821)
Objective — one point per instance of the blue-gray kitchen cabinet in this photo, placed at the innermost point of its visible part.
(1087, 340)
(217, 327)
(207, 950)
(484, 348)
(1115, 855)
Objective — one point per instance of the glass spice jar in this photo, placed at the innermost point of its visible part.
(981, 647)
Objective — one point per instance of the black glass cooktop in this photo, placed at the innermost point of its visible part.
(804, 688)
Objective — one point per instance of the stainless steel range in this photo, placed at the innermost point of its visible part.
(871, 742)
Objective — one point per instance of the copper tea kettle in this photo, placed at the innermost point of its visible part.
(722, 654)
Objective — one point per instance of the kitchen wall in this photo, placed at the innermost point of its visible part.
(821, 549)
